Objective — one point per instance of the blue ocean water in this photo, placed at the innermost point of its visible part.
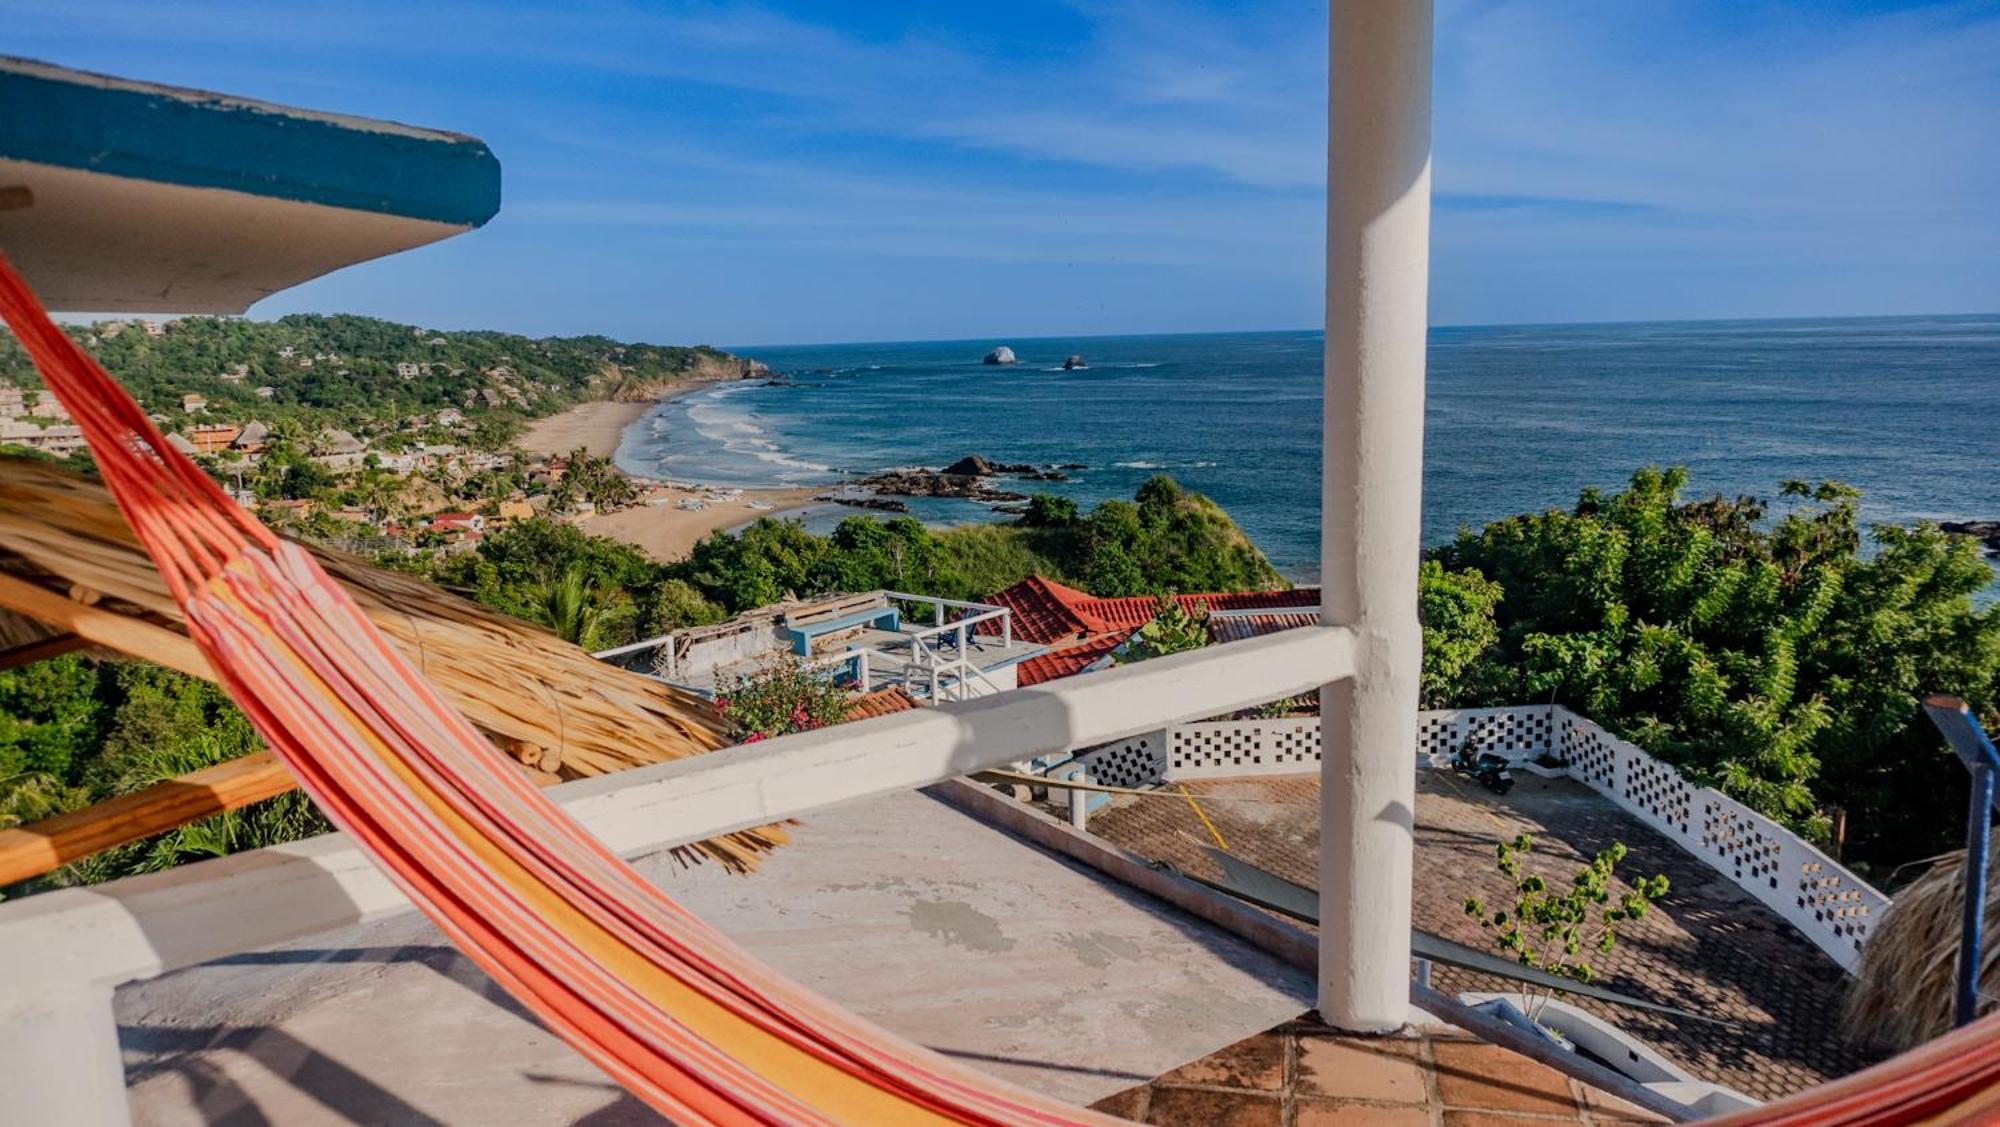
(1518, 418)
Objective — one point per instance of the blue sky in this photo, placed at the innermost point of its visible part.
(745, 174)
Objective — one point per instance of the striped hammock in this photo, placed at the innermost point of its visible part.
(663, 1003)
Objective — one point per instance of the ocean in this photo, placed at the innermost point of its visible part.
(1519, 418)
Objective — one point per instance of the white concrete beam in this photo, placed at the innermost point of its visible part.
(1377, 261)
(142, 926)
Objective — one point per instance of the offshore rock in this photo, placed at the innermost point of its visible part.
(1986, 531)
(1074, 363)
(1000, 355)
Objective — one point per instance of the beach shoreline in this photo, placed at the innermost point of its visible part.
(659, 525)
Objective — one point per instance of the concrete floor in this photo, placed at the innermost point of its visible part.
(907, 912)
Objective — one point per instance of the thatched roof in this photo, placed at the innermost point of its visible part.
(1905, 989)
(552, 706)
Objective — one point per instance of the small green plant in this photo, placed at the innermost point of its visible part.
(786, 698)
(1556, 931)
(1172, 629)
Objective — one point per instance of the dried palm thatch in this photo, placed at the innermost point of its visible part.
(550, 705)
(1905, 990)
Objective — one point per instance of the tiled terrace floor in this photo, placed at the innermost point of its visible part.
(1302, 1075)
(1708, 947)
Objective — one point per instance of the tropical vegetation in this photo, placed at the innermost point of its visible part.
(1768, 648)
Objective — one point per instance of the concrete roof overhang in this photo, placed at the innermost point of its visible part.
(123, 196)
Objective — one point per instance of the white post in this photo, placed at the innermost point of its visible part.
(59, 1059)
(1377, 251)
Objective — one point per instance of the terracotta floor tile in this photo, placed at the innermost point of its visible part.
(1381, 1069)
(1128, 1104)
(1462, 1118)
(1491, 1078)
(1322, 1113)
(1257, 1063)
(1605, 1107)
(1201, 1107)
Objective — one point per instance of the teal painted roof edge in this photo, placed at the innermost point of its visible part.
(200, 140)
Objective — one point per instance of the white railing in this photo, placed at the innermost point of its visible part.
(983, 612)
(1827, 903)
(62, 953)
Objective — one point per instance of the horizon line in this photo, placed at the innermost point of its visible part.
(1002, 339)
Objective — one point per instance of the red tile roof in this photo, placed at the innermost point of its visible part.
(1069, 660)
(1137, 610)
(881, 702)
(1237, 627)
(1046, 611)
(1050, 613)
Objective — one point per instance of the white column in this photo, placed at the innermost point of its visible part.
(59, 1059)
(1377, 249)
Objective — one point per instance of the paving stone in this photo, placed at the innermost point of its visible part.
(1380, 1069)
(1206, 1107)
(1488, 1077)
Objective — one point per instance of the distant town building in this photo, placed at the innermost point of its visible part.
(58, 440)
(47, 406)
(154, 328)
(339, 450)
(12, 402)
(194, 403)
(408, 370)
(252, 438)
(215, 437)
(298, 509)
(450, 417)
(266, 392)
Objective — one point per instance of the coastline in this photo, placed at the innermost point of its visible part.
(658, 525)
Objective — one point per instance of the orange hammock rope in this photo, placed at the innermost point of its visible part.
(663, 1003)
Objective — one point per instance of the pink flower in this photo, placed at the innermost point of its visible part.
(754, 737)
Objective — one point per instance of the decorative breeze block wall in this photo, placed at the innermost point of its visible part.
(1140, 761)
(1831, 906)
(1217, 748)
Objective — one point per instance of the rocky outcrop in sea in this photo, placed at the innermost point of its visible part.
(968, 478)
(1000, 355)
(1987, 532)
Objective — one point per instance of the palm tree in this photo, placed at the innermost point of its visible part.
(568, 607)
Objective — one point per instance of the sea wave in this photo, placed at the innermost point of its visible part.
(729, 429)
(1166, 465)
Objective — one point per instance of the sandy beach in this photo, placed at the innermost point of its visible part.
(668, 533)
(593, 426)
(658, 525)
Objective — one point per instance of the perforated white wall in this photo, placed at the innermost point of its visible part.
(1831, 906)
(1140, 761)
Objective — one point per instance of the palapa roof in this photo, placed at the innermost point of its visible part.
(64, 547)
